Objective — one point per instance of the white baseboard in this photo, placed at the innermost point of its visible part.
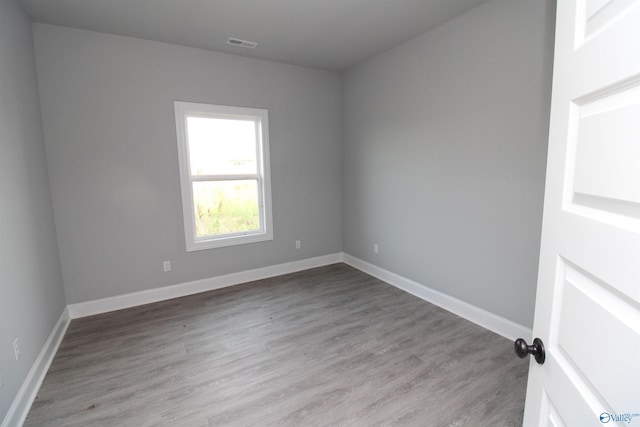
(486, 319)
(26, 395)
(119, 302)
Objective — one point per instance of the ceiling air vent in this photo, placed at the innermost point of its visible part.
(243, 43)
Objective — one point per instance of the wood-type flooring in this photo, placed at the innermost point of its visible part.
(330, 346)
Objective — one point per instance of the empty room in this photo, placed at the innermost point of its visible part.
(319, 213)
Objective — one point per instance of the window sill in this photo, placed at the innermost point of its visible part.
(221, 242)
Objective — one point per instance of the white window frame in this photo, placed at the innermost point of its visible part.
(263, 176)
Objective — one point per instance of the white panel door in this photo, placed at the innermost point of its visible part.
(588, 299)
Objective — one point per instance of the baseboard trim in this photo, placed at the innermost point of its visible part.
(120, 302)
(486, 319)
(28, 391)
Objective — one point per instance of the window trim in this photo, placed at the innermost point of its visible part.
(263, 176)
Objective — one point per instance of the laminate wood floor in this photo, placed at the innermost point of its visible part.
(330, 346)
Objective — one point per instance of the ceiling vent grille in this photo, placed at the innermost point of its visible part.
(244, 43)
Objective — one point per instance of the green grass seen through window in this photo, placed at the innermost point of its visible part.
(225, 207)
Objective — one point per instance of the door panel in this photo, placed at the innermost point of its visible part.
(608, 167)
(595, 15)
(614, 329)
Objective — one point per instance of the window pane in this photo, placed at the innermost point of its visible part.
(221, 146)
(224, 207)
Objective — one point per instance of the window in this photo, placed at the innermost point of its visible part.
(224, 174)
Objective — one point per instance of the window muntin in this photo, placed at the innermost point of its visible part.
(224, 174)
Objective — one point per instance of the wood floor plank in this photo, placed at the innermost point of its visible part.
(330, 346)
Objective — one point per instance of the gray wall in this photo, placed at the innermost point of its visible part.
(444, 155)
(31, 294)
(107, 106)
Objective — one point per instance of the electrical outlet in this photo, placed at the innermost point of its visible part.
(166, 266)
(297, 244)
(375, 248)
(16, 348)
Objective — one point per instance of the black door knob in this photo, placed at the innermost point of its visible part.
(523, 350)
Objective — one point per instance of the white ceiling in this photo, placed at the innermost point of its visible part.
(326, 34)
